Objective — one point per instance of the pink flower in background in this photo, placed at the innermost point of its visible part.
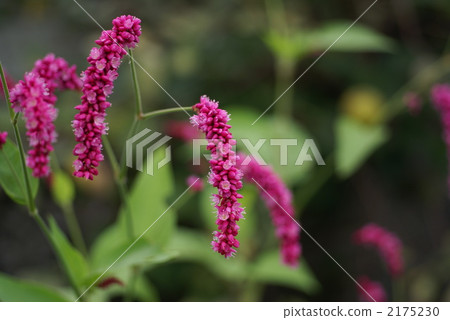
(182, 130)
(440, 96)
(98, 81)
(413, 102)
(30, 96)
(3, 136)
(34, 96)
(195, 182)
(278, 199)
(223, 175)
(372, 288)
(388, 245)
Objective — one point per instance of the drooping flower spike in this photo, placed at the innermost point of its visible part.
(224, 175)
(440, 96)
(388, 245)
(98, 80)
(278, 199)
(35, 97)
(373, 290)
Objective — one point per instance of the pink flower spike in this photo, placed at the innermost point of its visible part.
(213, 122)
(31, 97)
(280, 206)
(34, 96)
(3, 136)
(98, 78)
(372, 288)
(195, 182)
(387, 244)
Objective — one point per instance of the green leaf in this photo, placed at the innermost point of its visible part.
(196, 247)
(357, 38)
(355, 141)
(269, 269)
(15, 290)
(63, 188)
(269, 128)
(148, 200)
(11, 174)
(72, 260)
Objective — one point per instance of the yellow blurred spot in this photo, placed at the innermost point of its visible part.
(363, 104)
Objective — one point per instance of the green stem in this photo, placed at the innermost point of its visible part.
(31, 205)
(40, 222)
(6, 91)
(74, 229)
(121, 187)
(137, 90)
(152, 114)
(419, 83)
(132, 132)
(69, 215)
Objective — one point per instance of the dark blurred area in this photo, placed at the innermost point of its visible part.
(218, 48)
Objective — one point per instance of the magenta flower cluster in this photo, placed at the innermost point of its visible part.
(373, 290)
(98, 80)
(224, 175)
(34, 96)
(278, 199)
(388, 245)
(440, 96)
(3, 136)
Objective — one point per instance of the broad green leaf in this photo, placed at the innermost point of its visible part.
(15, 290)
(71, 259)
(11, 174)
(355, 141)
(357, 38)
(269, 269)
(149, 204)
(63, 188)
(272, 129)
(196, 247)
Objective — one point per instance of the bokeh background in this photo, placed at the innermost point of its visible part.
(388, 166)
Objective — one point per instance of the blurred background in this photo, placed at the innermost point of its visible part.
(385, 163)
